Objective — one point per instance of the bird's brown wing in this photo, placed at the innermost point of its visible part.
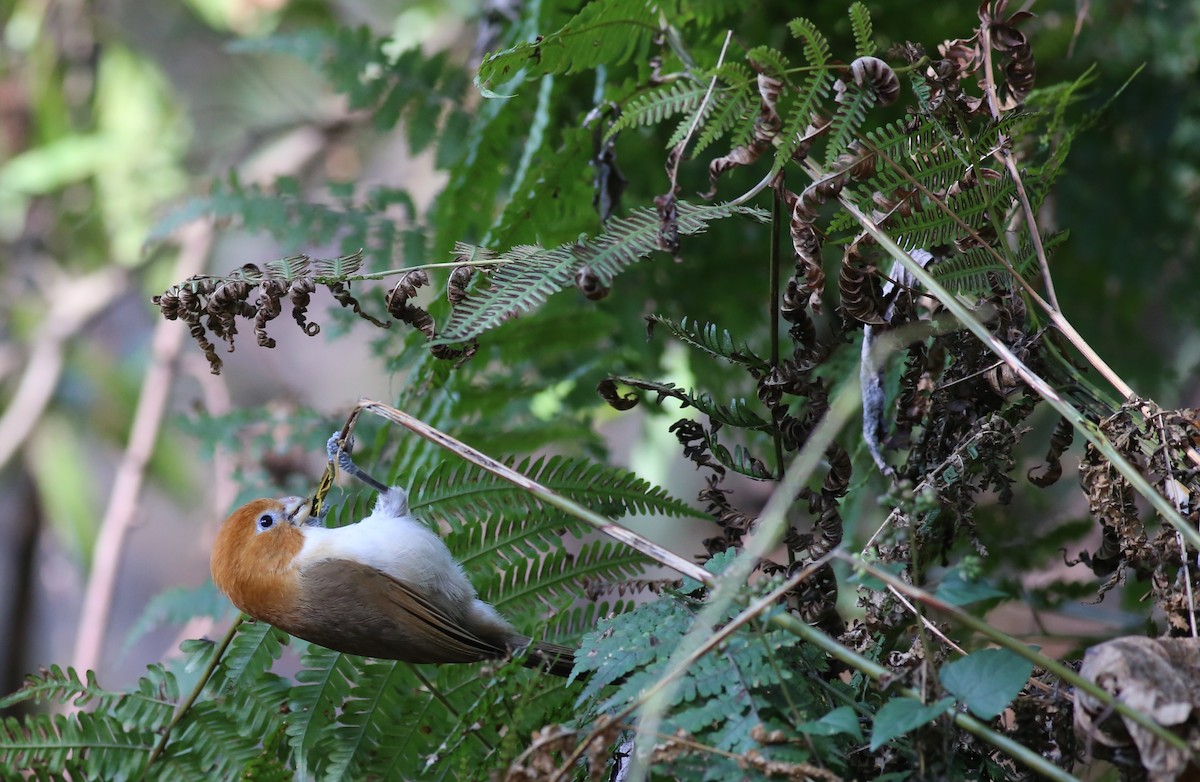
(354, 608)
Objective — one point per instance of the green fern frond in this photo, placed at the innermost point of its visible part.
(368, 717)
(152, 703)
(733, 74)
(82, 746)
(707, 338)
(740, 460)
(337, 269)
(731, 108)
(466, 492)
(737, 413)
(811, 93)
(288, 268)
(213, 739)
(284, 211)
(816, 45)
(721, 698)
(733, 103)
(931, 226)
(244, 679)
(58, 686)
(653, 107)
(527, 274)
(176, 606)
(493, 543)
(410, 84)
(560, 575)
(605, 32)
(708, 11)
(251, 653)
(770, 60)
(851, 114)
(573, 621)
(469, 741)
(928, 154)
(323, 684)
(864, 35)
(971, 273)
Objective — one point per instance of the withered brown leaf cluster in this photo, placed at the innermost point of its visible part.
(212, 305)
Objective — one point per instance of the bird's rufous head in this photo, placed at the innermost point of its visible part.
(253, 557)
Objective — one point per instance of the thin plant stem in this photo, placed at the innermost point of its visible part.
(190, 701)
(773, 273)
(550, 497)
(985, 39)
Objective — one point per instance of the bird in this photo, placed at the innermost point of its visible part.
(386, 586)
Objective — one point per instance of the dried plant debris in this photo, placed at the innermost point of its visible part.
(211, 305)
(1159, 677)
(1158, 442)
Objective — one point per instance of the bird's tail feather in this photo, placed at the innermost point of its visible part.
(552, 658)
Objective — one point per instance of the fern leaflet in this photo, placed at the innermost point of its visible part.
(855, 102)
(653, 107)
(322, 686)
(809, 96)
(737, 413)
(528, 274)
(864, 35)
(717, 343)
(605, 32)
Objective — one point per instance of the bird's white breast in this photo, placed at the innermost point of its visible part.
(400, 546)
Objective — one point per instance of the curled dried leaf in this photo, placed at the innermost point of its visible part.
(876, 75)
(806, 243)
(827, 525)
(456, 286)
(857, 161)
(607, 389)
(694, 438)
(1019, 70)
(210, 352)
(1160, 678)
(300, 292)
(608, 183)
(734, 522)
(837, 480)
(1060, 441)
(405, 289)
(591, 283)
(267, 308)
(341, 293)
(668, 218)
(861, 292)
(766, 128)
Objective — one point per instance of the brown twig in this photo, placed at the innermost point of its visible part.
(168, 339)
(677, 153)
(985, 39)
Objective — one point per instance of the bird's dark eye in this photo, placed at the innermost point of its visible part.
(265, 521)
